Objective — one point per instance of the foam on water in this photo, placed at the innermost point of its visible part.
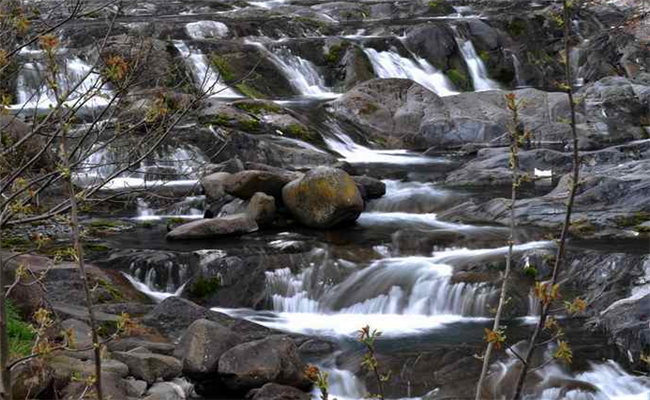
(388, 64)
(355, 153)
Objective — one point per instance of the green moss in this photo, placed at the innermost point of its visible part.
(114, 292)
(21, 334)
(530, 272)
(642, 229)
(222, 65)
(516, 27)
(485, 56)
(336, 52)
(436, 6)
(14, 241)
(176, 220)
(249, 125)
(105, 224)
(459, 78)
(204, 287)
(582, 227)
(220, 120)
(249, 91)
(258, 107)
(539, 57)
(300, 132)
(96, 247)
(635, 219)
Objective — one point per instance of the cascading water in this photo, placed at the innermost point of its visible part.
(398, 295)
(78, 86)
(205, 77)
(355, 153)
(601, 381)
(102, 161)
(301, 73)
(388, 64)
(521, 83)
(475, 65)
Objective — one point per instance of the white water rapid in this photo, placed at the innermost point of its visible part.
(388, 64)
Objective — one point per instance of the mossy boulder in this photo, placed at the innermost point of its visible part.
(324, 198)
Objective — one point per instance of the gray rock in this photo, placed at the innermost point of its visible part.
(273, 391)
(370, 188)
(246, 183)
(213, 186)
(82, 336)
(135, 388)
(150, 367)
(178, 389)
(65, 366)
(254, 364)
(403, 114)
(29, 379)
(113, 387)
(174, 315)
(238, 224)
(323, 198)
(202, 345)
(127, 344)
(262, 209)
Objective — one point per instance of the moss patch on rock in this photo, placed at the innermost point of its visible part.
(249, 91)
(223, 66)
(204, 287)
(460, 79)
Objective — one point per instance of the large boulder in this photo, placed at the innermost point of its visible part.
(325, 197)
(616, 109)
(201, 347)
(246, 183)
(149, 367)
(174, 315)
(254, 364)
(230, 225)
(399, 113)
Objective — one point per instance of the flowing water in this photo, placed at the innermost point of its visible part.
(205, 77)
(78, 85)
(388, 64)
(303, 75)
(476, 66)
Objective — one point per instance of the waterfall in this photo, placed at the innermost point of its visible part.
(410, 286)
(355, 153)
(205, 77)
(388, 64)
(600, 381)
(268, 4)
(101, 161)
(301, 73)
(521, 82)
(76, 78)
(155, 295)
(475, 65)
